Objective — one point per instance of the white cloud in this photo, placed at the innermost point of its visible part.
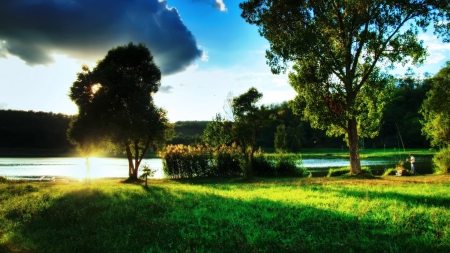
(219, 4)
(434, 58)
(216, 4)
(3, 106)
(166, 89)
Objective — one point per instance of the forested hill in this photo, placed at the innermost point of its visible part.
(34, 130)
(46, 130)
(188, 132)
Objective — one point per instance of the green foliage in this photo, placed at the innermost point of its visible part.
(147, 172)
(218, 132)
(401, 117)
(181, 161)
(441, 161)
(227, 160)
(249, 120)
(278, 165)
(116, 108)
(346, 171)
(436, 109)
(280, 139)
(337, 48)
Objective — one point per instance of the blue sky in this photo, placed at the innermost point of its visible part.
(203, 47)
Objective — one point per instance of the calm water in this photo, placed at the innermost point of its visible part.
(74, 168)
(70, 167)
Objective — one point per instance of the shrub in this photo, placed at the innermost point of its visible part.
(441, 161)
(289, 165)
(227, 160)
(278, 165)
(262, 165)
(3, 180)
(180, 161)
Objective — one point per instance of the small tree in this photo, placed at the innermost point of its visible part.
(217, 132)
(249, 120)
(115, 106)
(280, 139)
(147, 172)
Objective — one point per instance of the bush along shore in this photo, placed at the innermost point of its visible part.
(337, 214)
(181, 161)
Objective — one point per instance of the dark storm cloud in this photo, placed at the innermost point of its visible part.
(86, 29)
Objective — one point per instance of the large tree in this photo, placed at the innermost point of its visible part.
(339, 49)
(116, 108)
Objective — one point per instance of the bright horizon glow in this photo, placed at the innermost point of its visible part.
(232, 60)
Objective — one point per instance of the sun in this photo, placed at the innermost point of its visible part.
(95, 88)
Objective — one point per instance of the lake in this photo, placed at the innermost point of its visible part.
(74, 168)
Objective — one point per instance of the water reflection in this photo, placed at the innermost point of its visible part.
(75, 168)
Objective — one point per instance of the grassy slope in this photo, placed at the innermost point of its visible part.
(390, 214)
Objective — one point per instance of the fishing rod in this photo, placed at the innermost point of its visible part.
(400, 137)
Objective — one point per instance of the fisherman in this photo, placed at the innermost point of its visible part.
(413, 164)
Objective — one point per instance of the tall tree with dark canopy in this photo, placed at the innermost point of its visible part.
(116, 109)
(340, 49)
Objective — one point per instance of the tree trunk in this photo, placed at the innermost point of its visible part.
(131, 169)
(355, 162)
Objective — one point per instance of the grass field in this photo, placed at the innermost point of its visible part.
(385, 214)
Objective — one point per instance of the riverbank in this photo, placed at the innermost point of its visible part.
(368, 153)
(386, 214)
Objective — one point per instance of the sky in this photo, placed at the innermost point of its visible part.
(204, 48)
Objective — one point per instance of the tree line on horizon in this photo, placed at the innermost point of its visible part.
(401, 123)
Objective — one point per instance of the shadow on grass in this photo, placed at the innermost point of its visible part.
(162, 219)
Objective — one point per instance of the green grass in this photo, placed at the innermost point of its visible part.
(386, 214)
(366, 153)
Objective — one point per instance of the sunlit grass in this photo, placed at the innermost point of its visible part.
(389, 214)
(367, 153)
